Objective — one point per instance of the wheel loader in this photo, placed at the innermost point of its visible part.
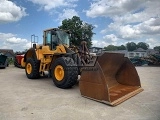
(109, 78)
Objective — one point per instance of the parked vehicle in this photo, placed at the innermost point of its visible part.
(3, 61)
(18, 59)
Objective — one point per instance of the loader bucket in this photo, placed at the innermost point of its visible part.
(112, 80)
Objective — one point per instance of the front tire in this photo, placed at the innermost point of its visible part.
(64, 72)
(32, 68)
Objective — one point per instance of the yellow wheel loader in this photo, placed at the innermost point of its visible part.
(109, 78)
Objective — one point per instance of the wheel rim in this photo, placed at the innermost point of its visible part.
(22, 62)
(59, 72)
(29, 68)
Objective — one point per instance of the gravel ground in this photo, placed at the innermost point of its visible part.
(24, 99)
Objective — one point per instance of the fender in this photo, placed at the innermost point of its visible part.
(31, 53)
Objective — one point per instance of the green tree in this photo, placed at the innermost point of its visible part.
(131, 46)
(157, 48)
(110, 48)
(122, 47)
(143, 45)
(80, 31)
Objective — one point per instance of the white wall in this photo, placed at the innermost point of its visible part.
(136, 54)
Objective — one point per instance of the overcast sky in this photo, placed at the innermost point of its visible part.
(116, 21)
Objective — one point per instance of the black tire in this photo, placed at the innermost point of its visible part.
(77, 60)
(34, 74)
(70, 72)
(2, 67)
(16, 63)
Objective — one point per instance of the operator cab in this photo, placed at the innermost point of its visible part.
(54, 37)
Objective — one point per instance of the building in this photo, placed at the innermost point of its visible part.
(151, 52)
(130, 54)
(137, 53)
(96, 50)
(142, 53)
(8, 52)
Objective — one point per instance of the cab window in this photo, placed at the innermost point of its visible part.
(48, 39)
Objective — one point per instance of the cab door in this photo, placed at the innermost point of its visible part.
(51, 39)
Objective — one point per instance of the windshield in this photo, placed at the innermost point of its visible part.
(64, 37)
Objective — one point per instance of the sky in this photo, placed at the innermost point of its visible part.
(116, 21)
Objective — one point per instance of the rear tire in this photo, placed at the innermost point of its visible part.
(16, 63)
(32, 68)
(64, 72)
